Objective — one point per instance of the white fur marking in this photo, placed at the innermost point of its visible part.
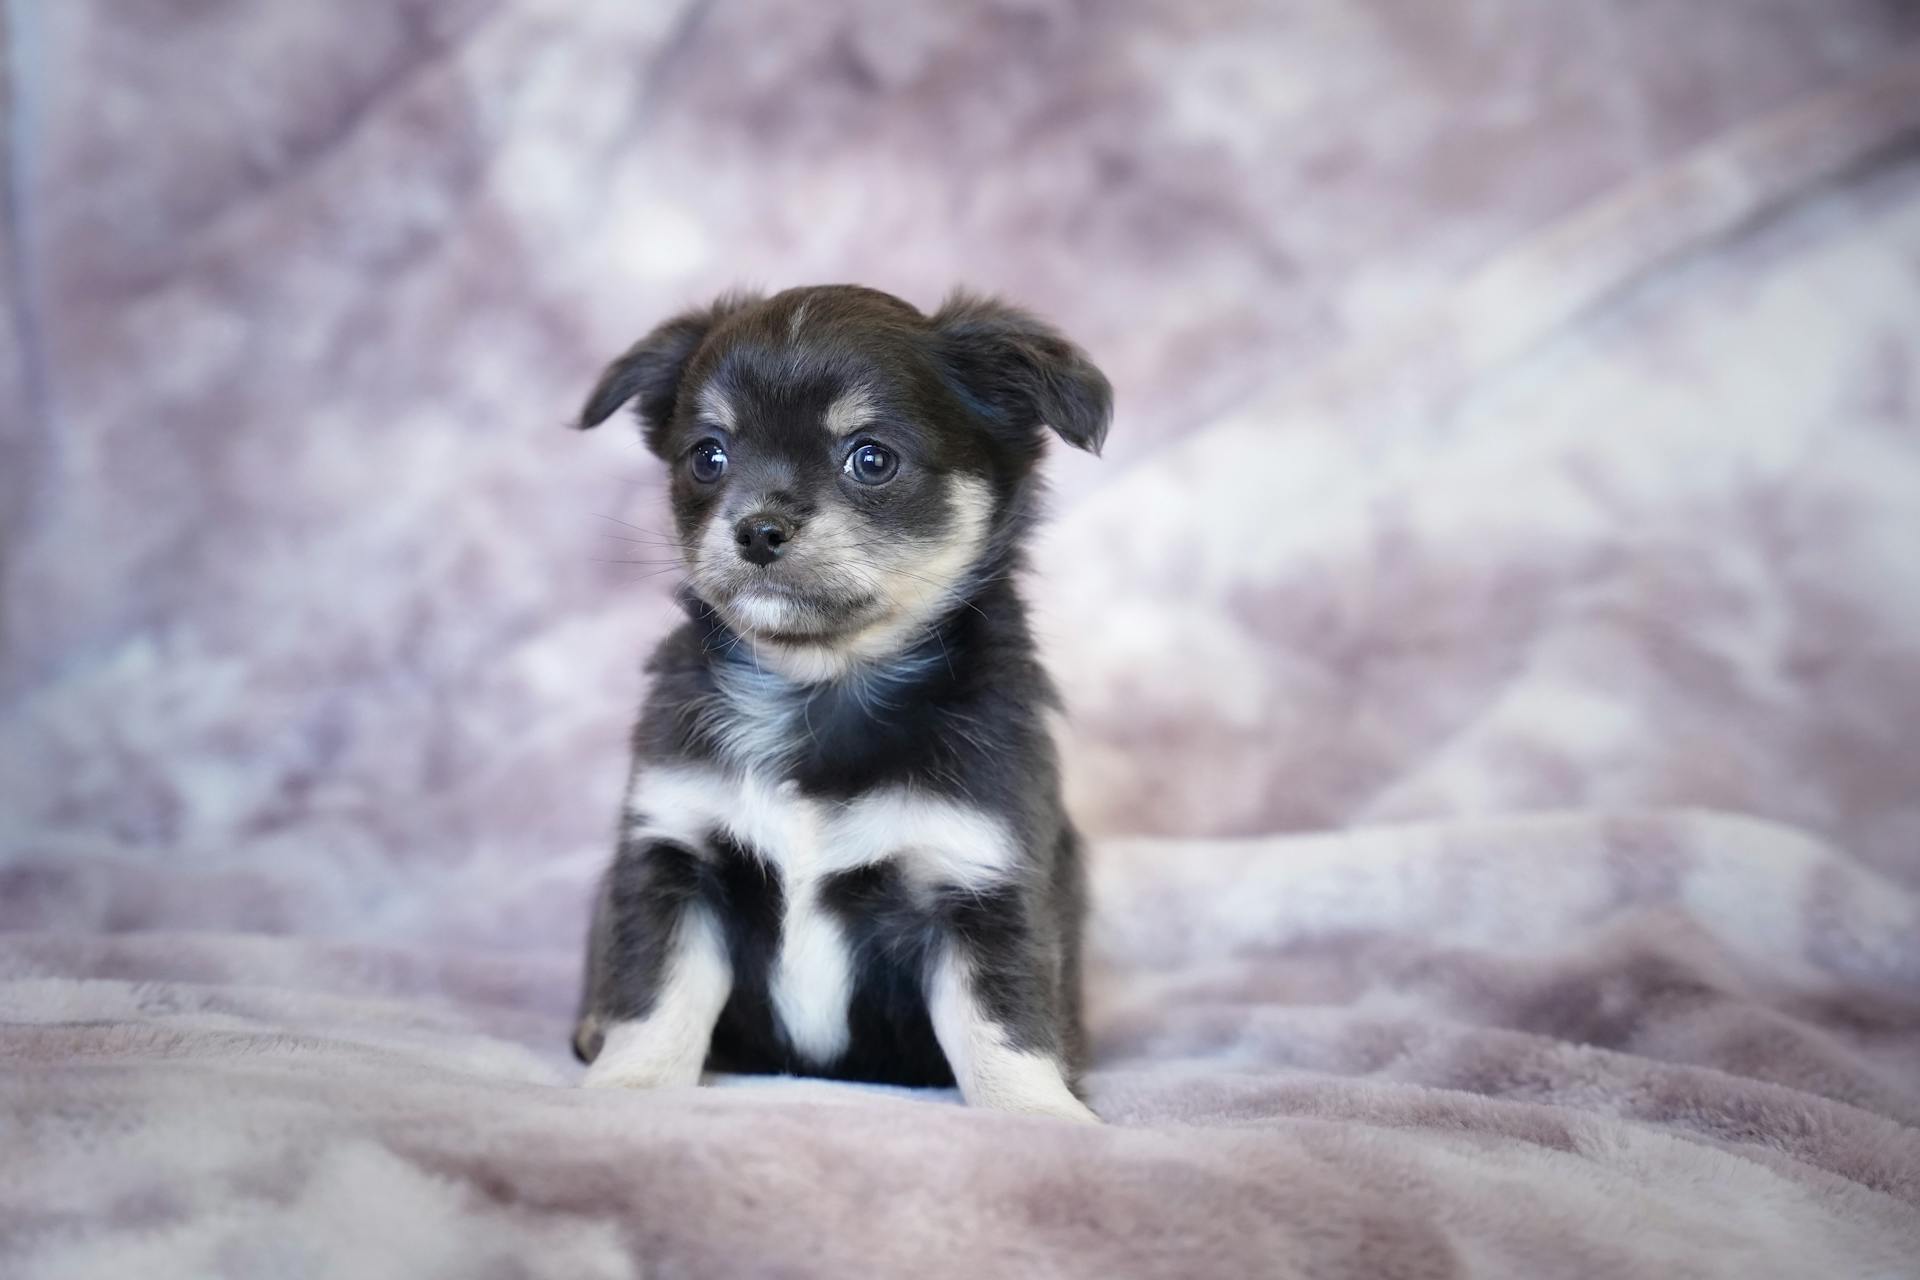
(851, 410)
(950, 843)
(761, 612)
(990, 1071)
(813, 982)
(937, 841)
(716, 408)
(669, 1045)
(689, 802)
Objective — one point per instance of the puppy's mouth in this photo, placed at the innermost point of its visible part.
(783, 614)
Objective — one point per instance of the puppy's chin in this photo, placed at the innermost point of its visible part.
(775, 619)
(766, 613)
(811, 642)
(822, 659)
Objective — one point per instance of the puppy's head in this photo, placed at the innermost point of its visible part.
(843, 466)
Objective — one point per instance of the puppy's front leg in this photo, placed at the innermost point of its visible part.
(658, 972)
(1002, 1067)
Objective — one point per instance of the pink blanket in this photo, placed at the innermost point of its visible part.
(1493, 636)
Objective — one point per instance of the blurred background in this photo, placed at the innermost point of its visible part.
(1517, 412)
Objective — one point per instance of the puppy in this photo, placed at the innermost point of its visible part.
(843, 851)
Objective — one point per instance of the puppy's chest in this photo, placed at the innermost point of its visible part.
(933, 841)
(801, 880)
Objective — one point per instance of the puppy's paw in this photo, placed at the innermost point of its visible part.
(635, 1056)
(1068, 1108)
(639, 1077)
(1026, 1084)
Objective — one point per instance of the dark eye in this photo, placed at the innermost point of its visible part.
(872, 464)
(708, 462)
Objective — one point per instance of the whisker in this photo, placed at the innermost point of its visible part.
(641, 542)
(643, 577)
(637, 528)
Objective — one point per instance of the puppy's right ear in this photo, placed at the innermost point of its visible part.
(650, 370)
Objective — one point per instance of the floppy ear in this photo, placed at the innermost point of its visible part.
(650, 370)
(1022, 372)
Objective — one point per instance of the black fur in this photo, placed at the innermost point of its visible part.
(955, 708)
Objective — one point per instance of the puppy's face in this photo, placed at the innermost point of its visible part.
(841, 464)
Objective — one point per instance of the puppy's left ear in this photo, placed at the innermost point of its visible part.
(1022, 372)
(650, 371)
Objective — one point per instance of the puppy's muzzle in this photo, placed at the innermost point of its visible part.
(762, 537)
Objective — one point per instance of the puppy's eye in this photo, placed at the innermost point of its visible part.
(708, 461)
(870, 463)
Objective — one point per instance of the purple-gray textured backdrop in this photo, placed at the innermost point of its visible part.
(1517, 463)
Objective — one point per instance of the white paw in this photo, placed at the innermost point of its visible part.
(1068, 1108)
(638, 1078)
(1026, 1084)
(636, 1056)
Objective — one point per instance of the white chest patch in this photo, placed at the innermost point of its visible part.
(936, 843)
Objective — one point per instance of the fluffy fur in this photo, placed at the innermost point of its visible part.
(844, 763)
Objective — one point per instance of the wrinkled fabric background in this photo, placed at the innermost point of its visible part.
(1493, 635)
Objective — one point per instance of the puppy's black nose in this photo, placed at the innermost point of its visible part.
(762, 538)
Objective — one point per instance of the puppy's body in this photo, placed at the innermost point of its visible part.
(843, 851)
(846, 829)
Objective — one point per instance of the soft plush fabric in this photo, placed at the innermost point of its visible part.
(1493, 636)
